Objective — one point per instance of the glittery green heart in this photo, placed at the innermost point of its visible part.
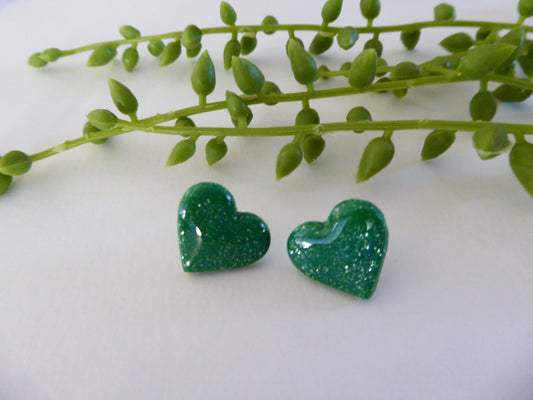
(347, 251)
(213, 236)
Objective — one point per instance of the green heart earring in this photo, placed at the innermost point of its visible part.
(213, 236)
(346, 252)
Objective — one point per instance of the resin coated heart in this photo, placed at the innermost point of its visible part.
(345, 252)
(213, 236)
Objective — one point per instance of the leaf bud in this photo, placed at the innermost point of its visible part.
(248, 77)
(129, 32)
(155, 47)
(184, 122)
(331, 10)
(15, 163)
(227, 14)
(525, 8)
(363, 69)
(320, 43)
(511, 94)
(521, 161)
(231, 49)
(269, 89)
(490, 141)
(307, 116)
(102, 119)
(130, 57)
(515, 37)
(5, 182)
(36, 61)
(410, 38)
(370, 8)
(181, 152)
(298, 40)
(191, 37)
(405, 70)
(170, 53)
(51, 54)
(381, 67)
(346, 66)
(444, 12)
(203, 78)
(376, 156)
(289, 157)
(89, 130)
(312, 147)
(358, 114)
(215, 150)
(101, 56)
(193, 51)
(123, 98)
(483, 106)
(436, 143)
(268, 23)
(347, 37)
(302, 63)
(248, 43)
(483, 59)
(376, 45)
(237, 108)
(457, 42)
(483, 32)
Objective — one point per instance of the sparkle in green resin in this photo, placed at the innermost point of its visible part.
(347, 251)
(213, 236)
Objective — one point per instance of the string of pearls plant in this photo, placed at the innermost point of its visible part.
(492, 56)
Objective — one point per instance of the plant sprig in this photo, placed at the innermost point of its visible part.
(492, 56)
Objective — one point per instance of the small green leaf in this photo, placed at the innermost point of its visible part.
(331, 10)
(155, 47)
(237, 108)
(36, 61)
(483, 32)
(102, 119)
(320, 43)
(399, 93)
(203, 77)
(515, 37)
(312, 147)
(101, 56)
(227, 14)
(370, 8)
(289, 157)
(410, 38)
(298, 40)
(215, 150)
(436, 143)
(191, 37)
(525, 8)
(181, 152)
(302, 63)
(521, 161)
(405, 70)
(123, 98)
(457, 42)
(50, 55)
(193, 51)
(15, 163)
(511, 94)
(490, 141)
(363, 69)
(170, 53)
(444, 12)
(269, 89)
(268, 23)
(129, 32)
(381, 64)
(231, 49)
(376, 45)
(184, 122)
(376, 156)
(483, 59)
(307, 116)
(130, 57)
(248, 77)
(5, 182)
(483, 106)
(358, 114)
(88, 132)
(248, 43)
(347, 37)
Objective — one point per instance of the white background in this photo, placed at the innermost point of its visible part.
(93, 301)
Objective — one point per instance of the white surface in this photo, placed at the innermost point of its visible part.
(93, 301)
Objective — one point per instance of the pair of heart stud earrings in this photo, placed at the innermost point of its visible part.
(345, 252)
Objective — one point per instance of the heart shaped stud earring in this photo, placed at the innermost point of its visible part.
(347, 251)
(213, 236)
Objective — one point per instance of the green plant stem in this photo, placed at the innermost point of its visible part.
(291, 28)
(149, 124)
